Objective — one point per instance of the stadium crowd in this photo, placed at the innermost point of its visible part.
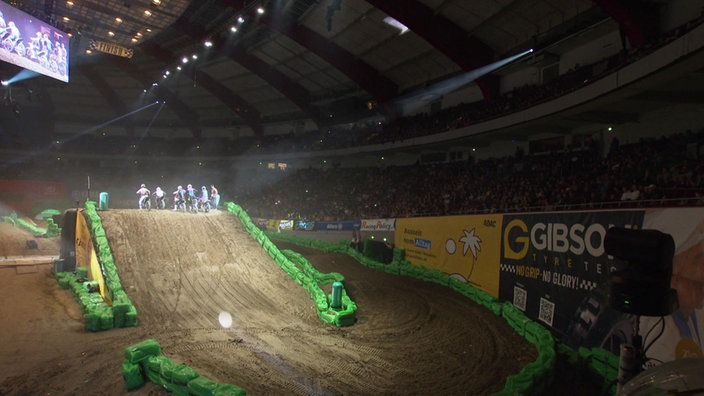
(652, 172)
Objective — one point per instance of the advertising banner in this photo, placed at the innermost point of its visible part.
(555, 269)
(336, 225)
(378, 225)
(681, 334)
(286, 225)
(465, 247)
(304, 225)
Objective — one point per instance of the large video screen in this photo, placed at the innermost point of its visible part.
(32, 44)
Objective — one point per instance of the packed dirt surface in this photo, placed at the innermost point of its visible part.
(182, 270)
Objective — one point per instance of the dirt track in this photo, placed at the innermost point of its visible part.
(182, 270)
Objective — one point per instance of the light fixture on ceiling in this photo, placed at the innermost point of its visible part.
(111, 33)
(118, 20)
(69, 4)
(184, 59)
(194, 56)
(156, 2)
(65, 19)
(260, 10)
(208, 43)
(240, 19)
(233, 29)
(147, 13)
(396, 24)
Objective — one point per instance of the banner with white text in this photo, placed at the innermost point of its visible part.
(555, 269)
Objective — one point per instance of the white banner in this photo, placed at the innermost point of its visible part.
(378, 225)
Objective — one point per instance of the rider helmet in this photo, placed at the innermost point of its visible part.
(202, 188)
(190, 186)
(142, 186)
(180, 187)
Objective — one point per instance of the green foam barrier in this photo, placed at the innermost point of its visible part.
(202, 386)
(229, 390)
(183, 374)
(142, 350)
(132, 374)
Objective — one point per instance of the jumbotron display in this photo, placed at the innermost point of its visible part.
(32, 44)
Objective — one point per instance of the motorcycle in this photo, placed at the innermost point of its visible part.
(205, 205)
(191, 203)
(160, 202)
(145, 202)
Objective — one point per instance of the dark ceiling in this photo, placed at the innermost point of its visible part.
(298, 63)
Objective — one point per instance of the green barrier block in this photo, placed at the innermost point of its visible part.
(202, 386)
(167, 370)
(132, 373)
(82, 272)
(131, 317)
(142, 350)
(154, 376)
(91, 321)
(106, 319)
(229, 390)
(152, 363)
(183, 374)
(179, 390)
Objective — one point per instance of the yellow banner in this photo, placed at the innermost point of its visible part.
(465, 247)
(111, 48)
(86, 257)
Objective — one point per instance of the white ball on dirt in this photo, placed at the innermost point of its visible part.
(225, 319)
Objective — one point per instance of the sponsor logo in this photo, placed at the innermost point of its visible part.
(422, 243)
(490, 223)
(553, 237)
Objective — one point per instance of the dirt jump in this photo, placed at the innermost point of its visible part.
(182, 270)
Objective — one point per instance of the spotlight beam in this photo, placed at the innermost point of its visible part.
(91, 129)
(149, 125)
(84, 132)
(413, 101)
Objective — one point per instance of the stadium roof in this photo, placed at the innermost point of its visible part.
(304, 62)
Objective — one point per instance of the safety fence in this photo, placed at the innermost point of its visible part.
(339, 313)
(536, 377)
(143, 362)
